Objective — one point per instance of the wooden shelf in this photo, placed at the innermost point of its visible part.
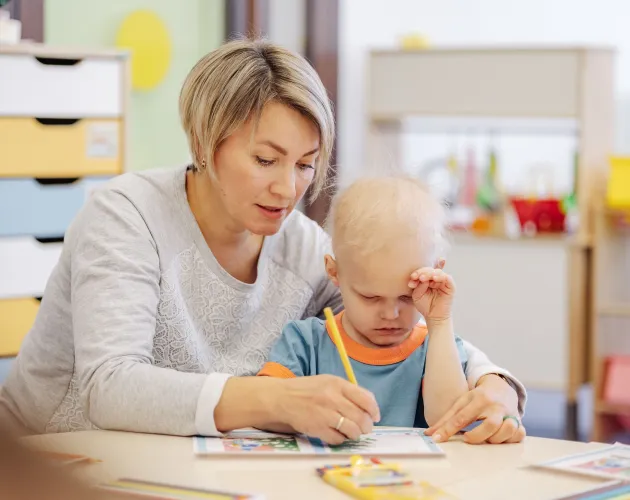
(462, 236)
(620, 310)
(605, 408)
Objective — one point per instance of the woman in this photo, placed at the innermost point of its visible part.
(174, 283)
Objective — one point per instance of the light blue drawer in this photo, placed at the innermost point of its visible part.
(42, 209)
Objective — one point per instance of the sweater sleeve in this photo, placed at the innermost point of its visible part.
(479, 365)
(115, 276)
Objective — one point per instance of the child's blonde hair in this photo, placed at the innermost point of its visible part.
(374, 212)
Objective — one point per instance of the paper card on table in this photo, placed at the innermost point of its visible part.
(147, 490)
(612, 462)
(613, 490)
(381, 442)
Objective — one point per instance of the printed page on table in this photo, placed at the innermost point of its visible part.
(381, 442)
(127, 488)
(611, 490)
(612, 462)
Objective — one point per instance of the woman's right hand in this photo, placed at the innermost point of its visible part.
(315, 405)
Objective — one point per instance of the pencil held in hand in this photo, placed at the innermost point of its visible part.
(332, 325)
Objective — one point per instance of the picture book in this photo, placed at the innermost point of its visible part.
(613, 490)
(612, 462)
(146, 490)
(381, 442)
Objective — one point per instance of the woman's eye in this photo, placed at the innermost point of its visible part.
(264, 162)
(305, 166)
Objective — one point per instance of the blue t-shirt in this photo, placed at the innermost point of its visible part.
(393, 374)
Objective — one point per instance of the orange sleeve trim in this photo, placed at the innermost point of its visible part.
(379, 356)
(273, 369)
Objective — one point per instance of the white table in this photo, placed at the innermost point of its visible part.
(470, 472)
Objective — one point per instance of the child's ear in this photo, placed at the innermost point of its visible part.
(331, 269)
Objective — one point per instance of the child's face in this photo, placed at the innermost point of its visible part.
(379, 310)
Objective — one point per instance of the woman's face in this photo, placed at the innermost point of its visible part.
(263, 171)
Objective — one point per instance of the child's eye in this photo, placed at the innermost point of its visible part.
(369, 297)
(264, 162)
(406, 298)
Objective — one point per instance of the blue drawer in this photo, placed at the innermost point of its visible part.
(42, 209)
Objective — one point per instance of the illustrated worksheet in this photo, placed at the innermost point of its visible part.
(381, 442)
(612, 462)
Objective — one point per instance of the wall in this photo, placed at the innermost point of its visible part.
(195, 26)
(287, 24)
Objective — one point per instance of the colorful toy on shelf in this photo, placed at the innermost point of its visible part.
(490, 201)
(569, 204)
(489, 195)
(617, 374)
(414, 41)
(542, 215)
(468, 191)
(618, 190)
(373, 480)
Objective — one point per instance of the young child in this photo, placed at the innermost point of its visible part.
(387, 237)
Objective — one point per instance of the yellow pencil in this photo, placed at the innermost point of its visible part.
(332, 324)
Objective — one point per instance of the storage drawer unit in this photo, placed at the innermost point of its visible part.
(63, 131)
(25, 266)
(60, 86)
(16, 319)
(41, 209)
(49, 148)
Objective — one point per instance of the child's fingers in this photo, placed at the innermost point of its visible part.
(419, 291)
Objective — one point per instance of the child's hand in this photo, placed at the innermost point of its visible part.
(433, 293)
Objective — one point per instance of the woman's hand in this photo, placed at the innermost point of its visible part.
(495, 403)
(433, 293)
(315, 406)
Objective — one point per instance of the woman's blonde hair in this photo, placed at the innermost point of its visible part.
(233, 83)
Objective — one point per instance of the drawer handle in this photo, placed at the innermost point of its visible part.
(38, 299)
(57, 61)
(49, 239)
(56, 181)
(64, 122)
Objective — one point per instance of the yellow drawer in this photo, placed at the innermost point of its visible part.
(48, 147)
(16, 319)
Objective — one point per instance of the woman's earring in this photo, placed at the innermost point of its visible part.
(203, 164)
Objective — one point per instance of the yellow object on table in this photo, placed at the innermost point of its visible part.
(618, 189)
(373, 480)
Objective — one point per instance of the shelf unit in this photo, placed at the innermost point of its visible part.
(610, 330)
(63, 132)
(538, 329)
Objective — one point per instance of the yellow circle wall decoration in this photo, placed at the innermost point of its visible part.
(145, 35)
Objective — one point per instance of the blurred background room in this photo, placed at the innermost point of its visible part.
(517, 113)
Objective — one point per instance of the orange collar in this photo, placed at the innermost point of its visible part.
(384, 355)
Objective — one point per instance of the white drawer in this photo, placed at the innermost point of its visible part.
(60, 88)
(25, 266)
